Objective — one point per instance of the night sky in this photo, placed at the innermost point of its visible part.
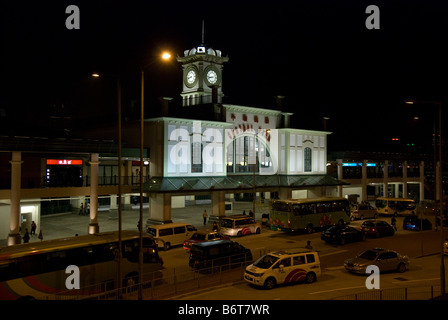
(318, 54)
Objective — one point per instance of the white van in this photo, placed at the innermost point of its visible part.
(171, 234)
(239, 225)
(284, 267)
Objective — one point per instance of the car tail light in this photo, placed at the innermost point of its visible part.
(373, 230)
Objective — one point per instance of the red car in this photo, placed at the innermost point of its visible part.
(203, 235)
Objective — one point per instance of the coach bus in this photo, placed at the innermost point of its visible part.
(395, 206)
(38, 270)
(308, 214)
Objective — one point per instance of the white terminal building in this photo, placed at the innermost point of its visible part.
(225, 152)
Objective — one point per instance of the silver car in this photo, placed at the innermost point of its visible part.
(384, 259)
(363, 211)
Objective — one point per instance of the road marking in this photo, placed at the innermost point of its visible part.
(331, 253)
(407, 281)
(334, 268)
(339, 289)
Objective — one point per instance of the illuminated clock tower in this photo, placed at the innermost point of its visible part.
(202, 73)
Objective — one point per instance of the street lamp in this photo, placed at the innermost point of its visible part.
(97, 75)
(165, 56)
(440, 179)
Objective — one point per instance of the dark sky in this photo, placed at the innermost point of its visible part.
(318, 54)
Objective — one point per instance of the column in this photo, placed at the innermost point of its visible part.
(386, 179)
(422, 180)
(94, 163)
(364, 180)
(284, 193)
(405, 179)
(340, 176)
(218, 205)
(159, 209)
(14, 221)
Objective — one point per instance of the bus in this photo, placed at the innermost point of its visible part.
(308, 214)
(38, 270)
(395, 206)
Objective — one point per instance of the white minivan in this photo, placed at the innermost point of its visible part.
(171, 234)
(284, 267)
(239, 225)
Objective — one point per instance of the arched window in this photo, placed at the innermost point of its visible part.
(308, 159)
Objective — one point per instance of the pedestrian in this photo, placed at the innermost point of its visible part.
(215, 226)
(308, 245)
(393, 223)
(40, 236)
(204, 215)
(251, 214)
(26, 237)
(33, 228)
(81, 210)
(139, 225)
(88, 208)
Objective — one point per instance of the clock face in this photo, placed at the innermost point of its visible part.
(212, 77)
(191, 76)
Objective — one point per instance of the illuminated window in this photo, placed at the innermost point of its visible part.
(308, 159)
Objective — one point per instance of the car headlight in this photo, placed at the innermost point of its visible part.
(258, 274)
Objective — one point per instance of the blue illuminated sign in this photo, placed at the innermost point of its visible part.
(354, 164)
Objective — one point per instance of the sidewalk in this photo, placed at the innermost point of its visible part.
(68, 224)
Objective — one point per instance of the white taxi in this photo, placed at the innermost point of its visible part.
(284, 267)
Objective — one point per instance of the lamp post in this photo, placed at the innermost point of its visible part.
(166, 57)
(96, 75)
(440, 179)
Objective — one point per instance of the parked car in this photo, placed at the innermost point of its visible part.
(201, 236)
(415, 223)
(212, 254)
(363, 211)
(377, 228)
(384, 259)
(342, 234)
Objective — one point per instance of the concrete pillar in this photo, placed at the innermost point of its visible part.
(159, 208)
(340, 176)
(364, 180)
(386, 179)
(94, 163)
(14, 221)
(422, 180)
(218, 203)
(285, 193)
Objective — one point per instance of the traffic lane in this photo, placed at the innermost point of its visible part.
(423, 273)
(411, 243)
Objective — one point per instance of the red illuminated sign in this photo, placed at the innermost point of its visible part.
(62, 162)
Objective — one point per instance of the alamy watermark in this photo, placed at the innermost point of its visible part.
(373, 280)
(73, 280)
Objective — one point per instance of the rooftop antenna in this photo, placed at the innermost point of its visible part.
(203, 32)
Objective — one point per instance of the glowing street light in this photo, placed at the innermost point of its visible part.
(165, 56)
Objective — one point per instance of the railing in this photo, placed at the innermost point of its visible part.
(46, 182)
(174, 282)
(402, 293)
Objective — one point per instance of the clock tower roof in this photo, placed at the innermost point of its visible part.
(203, 53)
